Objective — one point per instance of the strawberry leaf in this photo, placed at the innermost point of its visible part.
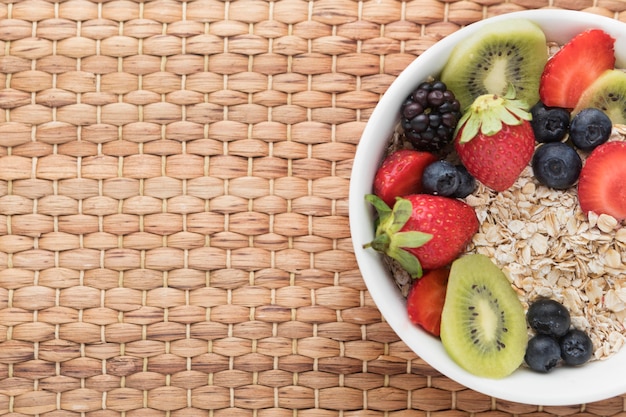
(489, 112)
(471, 129)
(390, 240)
(381, 207)
(400, 215)
(412, 239)
(518, 109)
(490, 123)
(408, 261)
(505, 115)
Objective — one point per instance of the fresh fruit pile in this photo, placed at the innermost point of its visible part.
(500, 104)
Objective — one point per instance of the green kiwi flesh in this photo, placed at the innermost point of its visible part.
(498, 55)
(483, 323)
(607, 93)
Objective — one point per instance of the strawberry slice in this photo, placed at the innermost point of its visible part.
(425, 300)
(400, 174)
(575, 66)
(601, 186)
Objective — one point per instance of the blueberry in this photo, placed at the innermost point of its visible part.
(441, 178)
(548, 317)
(590, 128)
(549, 124)
(467, 183)
(556, 165)
(576, 347)
(542, 353)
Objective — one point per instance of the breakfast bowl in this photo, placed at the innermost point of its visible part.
(593, 381)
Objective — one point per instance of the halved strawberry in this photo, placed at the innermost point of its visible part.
(400, 174)
(575, 66)
(602, 184)
(425, 300)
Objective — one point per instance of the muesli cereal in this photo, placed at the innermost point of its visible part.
(547, 247)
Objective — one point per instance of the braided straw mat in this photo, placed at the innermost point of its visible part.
(173, 209)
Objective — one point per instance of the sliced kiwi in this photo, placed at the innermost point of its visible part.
(607, 93)
(496, 56)
(483, 324)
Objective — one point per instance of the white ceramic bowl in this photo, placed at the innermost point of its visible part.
(563, 386)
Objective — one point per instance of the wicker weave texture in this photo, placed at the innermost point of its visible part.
(174, 232)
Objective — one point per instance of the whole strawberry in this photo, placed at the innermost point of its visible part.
(495, 140)
(423, 231)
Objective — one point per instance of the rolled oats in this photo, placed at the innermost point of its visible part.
(547, 247)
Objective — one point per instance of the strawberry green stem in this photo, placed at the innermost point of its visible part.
(393, 242)
(489, 112)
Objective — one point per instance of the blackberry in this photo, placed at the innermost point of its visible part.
(430, 115)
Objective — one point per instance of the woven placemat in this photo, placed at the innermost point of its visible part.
(174, 232)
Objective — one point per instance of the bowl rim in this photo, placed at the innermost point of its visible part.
(563, 386)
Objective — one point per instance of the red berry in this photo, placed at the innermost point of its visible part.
(601, 186)
(400, 174)
(426, 298)
(423, 231)
(496, 141)
(575, 66)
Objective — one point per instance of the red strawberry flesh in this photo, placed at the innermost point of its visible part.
(602, 182)
(400, 174)
(575, 66)
(426, 298)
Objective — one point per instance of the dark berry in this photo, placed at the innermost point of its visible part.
(439, 85)
(590, 128)
(449, 120)
(436, 98)
(419, 123)
(576, 347)
(429, 116)
(441, 178)
(556, 165)
(542, 353)
(412, 109)
(549, 124)
(467, 183)
(548, 317)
